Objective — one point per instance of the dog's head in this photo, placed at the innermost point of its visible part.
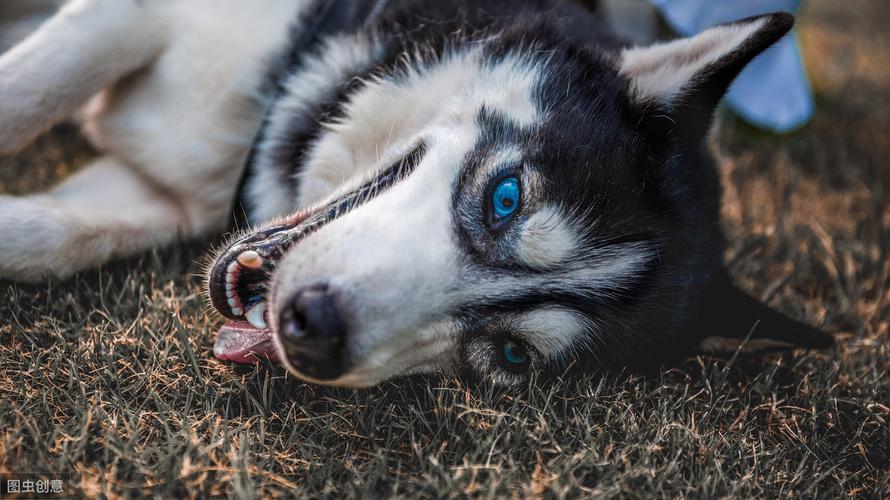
(511, 207)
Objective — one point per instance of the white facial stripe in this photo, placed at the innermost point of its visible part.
(547, 239)
(387, 113)
(553, 331)
(662, 71)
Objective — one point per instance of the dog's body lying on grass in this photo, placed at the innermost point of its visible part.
(496, 186)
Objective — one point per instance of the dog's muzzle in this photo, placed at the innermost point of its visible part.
(311, 329)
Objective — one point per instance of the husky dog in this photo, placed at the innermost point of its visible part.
(497, 187)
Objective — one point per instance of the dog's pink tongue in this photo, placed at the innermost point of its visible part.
(240, 342)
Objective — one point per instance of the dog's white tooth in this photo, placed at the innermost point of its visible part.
(232, 267)
(230, 287)
(230, 293)
(250, 259)
(232, 302)
(237, 311)
(230, 278)
(256, 316)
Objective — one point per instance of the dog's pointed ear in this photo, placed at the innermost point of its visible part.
(729, 318)
(680, 83)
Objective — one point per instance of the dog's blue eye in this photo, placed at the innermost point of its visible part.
(514, 353)
(506, 197)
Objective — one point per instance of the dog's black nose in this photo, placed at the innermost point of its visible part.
(312, 331)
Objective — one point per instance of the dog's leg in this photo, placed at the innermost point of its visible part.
(19, 18)
(104, 211)
(87, 46)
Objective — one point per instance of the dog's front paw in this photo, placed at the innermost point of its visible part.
(34, 239)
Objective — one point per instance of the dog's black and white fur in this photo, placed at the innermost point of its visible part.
(495, 186)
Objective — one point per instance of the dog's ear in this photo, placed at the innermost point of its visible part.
(729, 318)
(680, 83)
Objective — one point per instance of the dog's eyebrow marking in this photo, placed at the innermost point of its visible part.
(517, 99)
(553, 330)
(502, 157)
(546, 240)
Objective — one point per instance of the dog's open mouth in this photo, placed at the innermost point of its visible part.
(238, 285)
(239, 280)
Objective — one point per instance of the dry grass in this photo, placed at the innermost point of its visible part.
(109, 377)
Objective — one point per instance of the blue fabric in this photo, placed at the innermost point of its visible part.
(772, 92)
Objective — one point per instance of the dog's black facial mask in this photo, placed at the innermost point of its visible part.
(619, 161)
